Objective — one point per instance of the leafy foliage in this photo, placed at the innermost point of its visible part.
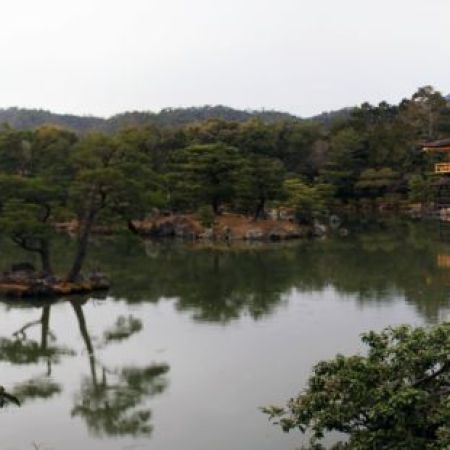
(420, 189)
(20, 351)
(123, 329)
(308, 202)
(260, 180)
(206, 216)
(38, 388)
(395, 397)
(205, 174)
(113, 409)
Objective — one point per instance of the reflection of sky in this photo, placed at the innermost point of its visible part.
(218, 376)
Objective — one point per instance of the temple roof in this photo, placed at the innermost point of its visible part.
(442, 145)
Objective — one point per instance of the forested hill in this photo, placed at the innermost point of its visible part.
(22, 119)
(31, 118)
(328, 117)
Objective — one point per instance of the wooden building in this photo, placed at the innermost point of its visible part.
(442, 185)
(442, 146)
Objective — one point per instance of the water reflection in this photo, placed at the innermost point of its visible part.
(111, 403)
(377, 266)
(92, 358)
(21, 350)
(112, 400)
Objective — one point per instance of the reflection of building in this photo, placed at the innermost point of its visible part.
(442, 278)
(442, 145)
(443, 261)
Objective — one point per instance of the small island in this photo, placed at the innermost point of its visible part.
(26, 282)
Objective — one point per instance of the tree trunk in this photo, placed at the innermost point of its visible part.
(45, 327)
(44, 253)
(83, 241)
(132, 227)
(87, 339)
(42, 248)
(45, 330)
(215, 204)
(259, 208)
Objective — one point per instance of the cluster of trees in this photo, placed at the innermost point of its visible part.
(51, 174)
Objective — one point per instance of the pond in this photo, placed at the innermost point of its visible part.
(190, 341)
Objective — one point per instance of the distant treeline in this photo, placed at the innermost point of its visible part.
(25, 119)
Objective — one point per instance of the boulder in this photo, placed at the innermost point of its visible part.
(184, 228)
(226, 233)
(207, 234)
(168, 226)
(162, 229)
(254, 234)
(319, 230)
(285, 233)
(277, 234)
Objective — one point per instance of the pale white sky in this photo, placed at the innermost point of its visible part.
(303, 56)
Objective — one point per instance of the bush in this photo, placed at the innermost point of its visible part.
(206, 216)
(396, 397)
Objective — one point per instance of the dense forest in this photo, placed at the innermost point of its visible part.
(365, 158)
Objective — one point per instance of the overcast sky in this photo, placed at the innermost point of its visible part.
(303, 56)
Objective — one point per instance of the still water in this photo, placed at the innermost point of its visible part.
(190, 341)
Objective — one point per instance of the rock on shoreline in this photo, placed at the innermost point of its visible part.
(226, 227)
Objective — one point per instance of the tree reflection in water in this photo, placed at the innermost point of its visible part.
(111, 406)
(219, 283)
(112, 403)
(21, 350)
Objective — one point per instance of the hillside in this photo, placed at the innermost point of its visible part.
(328, 117)
(20, 118)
